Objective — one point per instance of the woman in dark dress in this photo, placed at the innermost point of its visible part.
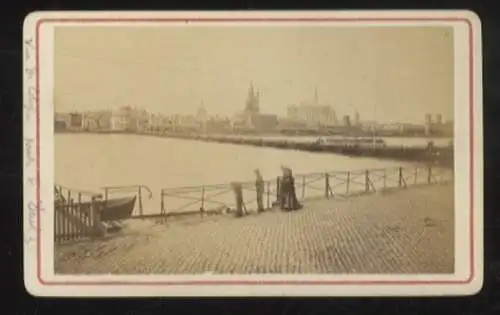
(288, 198)
(294, 203)
(284, 189)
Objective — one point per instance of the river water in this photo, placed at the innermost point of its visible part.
(89, 162)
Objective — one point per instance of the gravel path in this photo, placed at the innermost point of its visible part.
(406, 231)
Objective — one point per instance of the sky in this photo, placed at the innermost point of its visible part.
(388, 74)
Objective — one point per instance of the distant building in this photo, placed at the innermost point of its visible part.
(104, 120)
(313, 114)
(439, 119)
(156, 122)
(141, 118)
(184, 122)
(90, 121)
(202, 117)
(121, 119)
(287, 123)
(241, 121)
(76, 121)
(62, 121)
(60, 126)
(264, 122)
(346, 120)
(218, 125)
(357, 120)
(97, 120)
(428, 124)
(252, 103)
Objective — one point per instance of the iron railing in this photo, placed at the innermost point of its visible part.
(215, 199)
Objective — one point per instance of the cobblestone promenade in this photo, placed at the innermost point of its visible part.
(405, 231)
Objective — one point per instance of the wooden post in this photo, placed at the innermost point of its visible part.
(268, 195)
(139, 191)
(303, 187)
(162, 205)
(70, 215)
(65, 227)
(97, 228)
(105, 194)
(278, 188)
(385, 178)
(347, 183)
(429, 174)
(202, 208)
(415, 175)
(81, 232)
(367, 181)
(400, 177)
(327, 185)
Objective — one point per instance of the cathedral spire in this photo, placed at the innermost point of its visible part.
(252, 103)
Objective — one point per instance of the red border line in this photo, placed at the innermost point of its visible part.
(469, 279)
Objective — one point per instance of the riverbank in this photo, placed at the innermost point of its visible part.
(439, 155)
(402, 231)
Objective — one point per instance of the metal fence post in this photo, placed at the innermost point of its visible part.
(303, 186)
(162, 205)
(202, 208)
(347, 183)
(105, 194)
(268, 195)
(400, 177)
(416, 176)
(81, 228)
(327, 185)
(385, 178)
(367, 181)
(429, 174)
(141, 212)
(278, 189)
(97, 228)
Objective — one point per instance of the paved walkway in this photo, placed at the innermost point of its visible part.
(406, 231)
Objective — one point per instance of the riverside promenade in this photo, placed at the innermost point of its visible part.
(393, 231)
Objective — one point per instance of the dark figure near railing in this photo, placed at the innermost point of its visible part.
(259, 188)
(287, 195)
(238, 194)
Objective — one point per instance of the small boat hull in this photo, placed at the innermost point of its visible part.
(112, 210)
(118, 209)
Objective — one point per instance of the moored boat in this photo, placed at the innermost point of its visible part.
(118, 209)
(112, 209)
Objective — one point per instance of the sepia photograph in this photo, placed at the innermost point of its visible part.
(266, 150)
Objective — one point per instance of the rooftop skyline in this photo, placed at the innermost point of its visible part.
(387, 74)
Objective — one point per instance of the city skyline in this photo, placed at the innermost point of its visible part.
(374, 71)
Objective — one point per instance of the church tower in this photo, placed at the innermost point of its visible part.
(252, 103)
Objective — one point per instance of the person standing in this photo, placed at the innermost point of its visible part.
(288, 196)
(294, 202)
(284, 193)
(259, 188)
(238, 194)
